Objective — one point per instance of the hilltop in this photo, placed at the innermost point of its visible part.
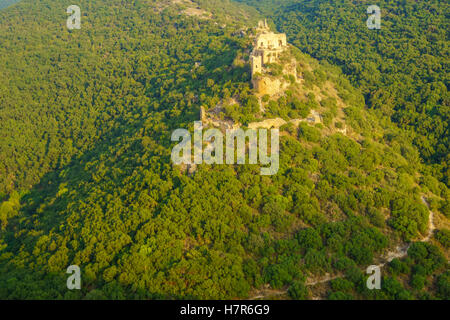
(287, 87)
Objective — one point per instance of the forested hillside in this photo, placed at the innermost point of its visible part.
(86, 178)
(402, 69)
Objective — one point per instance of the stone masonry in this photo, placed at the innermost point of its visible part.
(268, 47)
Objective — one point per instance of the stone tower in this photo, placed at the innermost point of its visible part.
(257, 63)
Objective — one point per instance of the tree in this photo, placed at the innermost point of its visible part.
(298, 291)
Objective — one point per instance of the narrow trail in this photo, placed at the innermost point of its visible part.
(400, 251)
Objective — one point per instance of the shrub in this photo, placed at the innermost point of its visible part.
(443, 236)
(298, 291)
(309, 133)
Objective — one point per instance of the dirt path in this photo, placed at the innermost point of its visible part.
(400, 251)
(431, 225)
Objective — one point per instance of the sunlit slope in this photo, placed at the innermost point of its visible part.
(402, 69)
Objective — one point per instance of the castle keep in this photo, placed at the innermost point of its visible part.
(268, 47)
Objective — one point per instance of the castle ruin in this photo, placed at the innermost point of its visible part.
(268, 47)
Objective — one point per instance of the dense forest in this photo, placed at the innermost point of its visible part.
(402, 69)
(86, 178)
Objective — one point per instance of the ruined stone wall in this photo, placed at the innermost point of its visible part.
(268, 56)
(267, 49)
(271, 41)
(267, 86)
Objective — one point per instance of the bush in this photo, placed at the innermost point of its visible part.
(342, 285)
(395, 290)
(427, 257)
(397, 267)
(418, 281)
(445, 208)
(275, 69)
(344, 264)
(340, 296)
(309, 133)
(443, 236)
(443, 285)
(302, 108)
(376, 217)
(309, 239)
(355, 275)
(298, 291)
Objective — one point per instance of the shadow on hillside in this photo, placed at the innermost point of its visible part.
(45, 208)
